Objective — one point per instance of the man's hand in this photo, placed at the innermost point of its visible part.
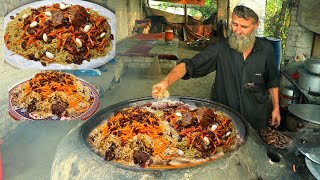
(275, 118)
(158, 89)
(177, 73)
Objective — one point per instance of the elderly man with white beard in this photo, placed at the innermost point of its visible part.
(246, 73)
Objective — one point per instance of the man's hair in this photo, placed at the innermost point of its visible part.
(246, 13)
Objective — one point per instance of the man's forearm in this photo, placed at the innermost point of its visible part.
(274, 92)
(177, 73)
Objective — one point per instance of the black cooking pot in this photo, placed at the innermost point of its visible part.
(107, 112)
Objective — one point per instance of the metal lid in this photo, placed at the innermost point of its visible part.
(307, 112)
(313, 167)
(312, 152)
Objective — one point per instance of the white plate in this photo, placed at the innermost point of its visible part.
(22, 63)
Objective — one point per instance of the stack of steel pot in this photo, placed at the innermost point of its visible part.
(288, 96)
(309, 77)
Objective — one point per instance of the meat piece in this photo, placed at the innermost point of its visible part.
(31, 56)
(140, 157)
(57, 109)
(186, 118)
(77, 15)
(49, 22)
(206, 116)
(31, 107)
(24, 45)
(198, 144)
(110, 154)
(57, 18)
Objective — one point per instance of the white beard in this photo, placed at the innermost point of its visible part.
(241, 42)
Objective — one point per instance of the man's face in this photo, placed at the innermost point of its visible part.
(242, 35)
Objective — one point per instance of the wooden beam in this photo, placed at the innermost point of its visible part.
(316, 46)
(222, 9)
(186, 14)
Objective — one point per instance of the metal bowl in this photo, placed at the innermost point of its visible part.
(107, 112)
(313, 66)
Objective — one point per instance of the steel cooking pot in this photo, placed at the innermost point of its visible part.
(288, 96)
(313, 66)
(107, 112)
(309, 82)
(289, 91)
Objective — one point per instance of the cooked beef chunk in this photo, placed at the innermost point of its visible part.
(31, 107)
(77, 15)
(199, 144)
(24, 45)
(186, 118)
(48, 22)
(57, 109)
(26, 22)
(206, 116)
(140, 157)
(57, 18)
(31, 56)
(110, 154)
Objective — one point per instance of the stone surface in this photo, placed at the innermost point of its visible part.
(307, 11)
(73, 160)
(299, 39)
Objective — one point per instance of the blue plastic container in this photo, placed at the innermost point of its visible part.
(276, 44)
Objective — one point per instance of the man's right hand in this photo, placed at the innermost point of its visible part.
(158, 89)
(177, 73)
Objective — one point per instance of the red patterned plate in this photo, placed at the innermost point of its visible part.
(22, 114)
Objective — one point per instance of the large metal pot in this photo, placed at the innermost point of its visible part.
(288, 96)
(106, 113)
(309, 82)
(313, 66)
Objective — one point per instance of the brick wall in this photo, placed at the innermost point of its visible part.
(299, 38)
(127, 11)
(263, 4)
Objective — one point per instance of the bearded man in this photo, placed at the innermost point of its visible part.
(245, 69)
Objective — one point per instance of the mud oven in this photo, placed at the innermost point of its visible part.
(252, 159)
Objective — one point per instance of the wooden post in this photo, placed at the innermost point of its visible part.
(316, 46)
(186, 14)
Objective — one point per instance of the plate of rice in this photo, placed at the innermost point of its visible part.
(53, 95)
(59, 35)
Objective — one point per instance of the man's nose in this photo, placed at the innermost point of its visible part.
(238, 31)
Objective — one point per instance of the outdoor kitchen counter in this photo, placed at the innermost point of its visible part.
(253, 160)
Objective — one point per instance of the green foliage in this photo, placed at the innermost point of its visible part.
(206, 10)
(272, 21)
(272, 17)
(193, 10)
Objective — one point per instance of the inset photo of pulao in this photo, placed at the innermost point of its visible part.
(59, 35)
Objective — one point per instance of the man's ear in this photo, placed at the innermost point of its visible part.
(257, 24)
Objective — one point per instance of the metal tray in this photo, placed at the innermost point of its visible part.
(307, 112)
(107, 112)
(313, 167)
